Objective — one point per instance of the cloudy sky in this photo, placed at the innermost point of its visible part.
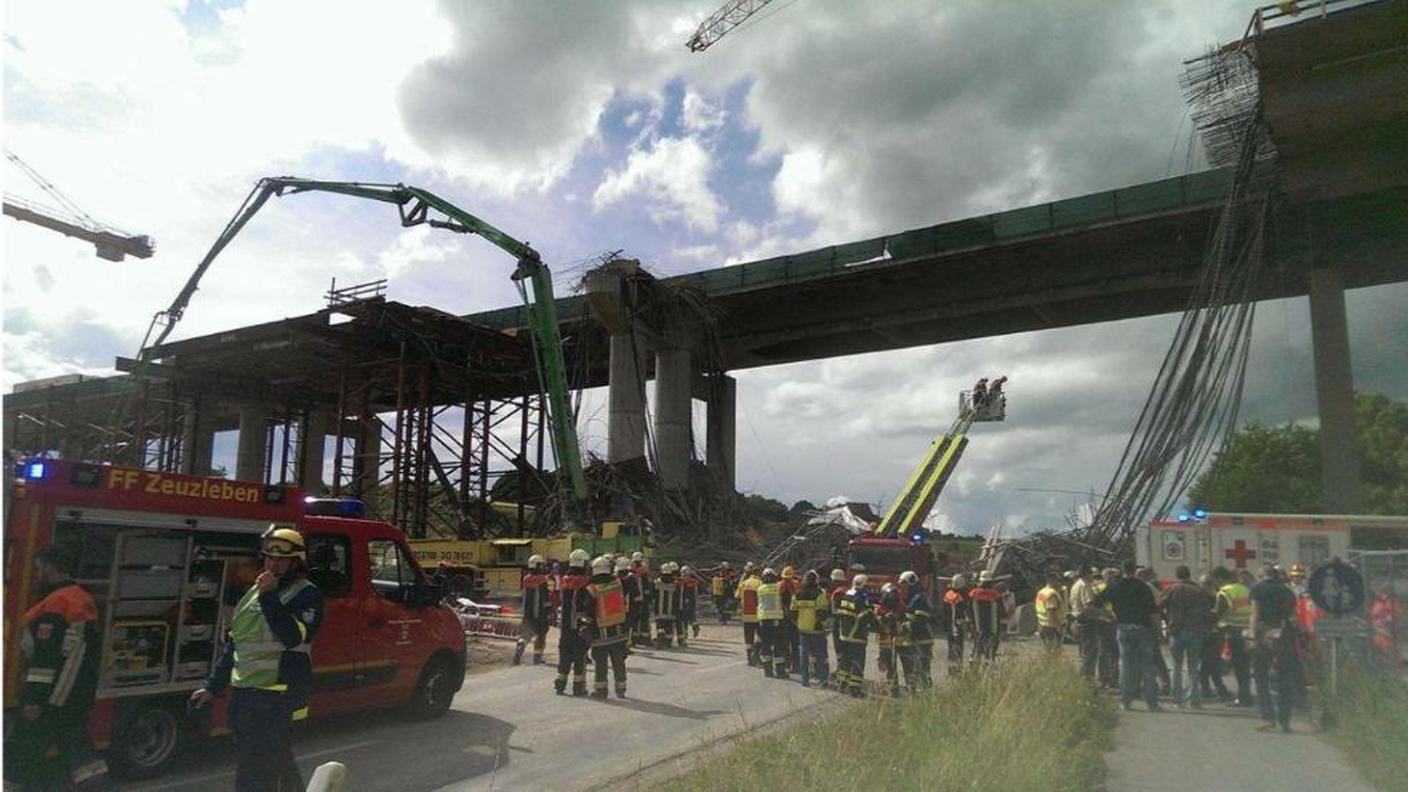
(587, 127)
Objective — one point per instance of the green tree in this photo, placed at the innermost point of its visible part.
(1277, 468)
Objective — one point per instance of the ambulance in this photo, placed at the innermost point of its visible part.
(1243, 541)
(167, 556)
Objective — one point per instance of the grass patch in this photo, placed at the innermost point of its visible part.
(1369, 722)
(1028, 723)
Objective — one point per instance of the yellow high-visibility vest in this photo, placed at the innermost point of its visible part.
(1238, 599)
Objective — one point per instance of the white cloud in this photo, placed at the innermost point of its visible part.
(699, 114)
(673, 178)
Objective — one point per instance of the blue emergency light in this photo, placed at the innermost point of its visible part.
(35, 470)
(335, 507)
(1200, 514)
(1184, 517)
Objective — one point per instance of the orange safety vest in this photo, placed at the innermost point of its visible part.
(610, 603)
(749, 591)
(71, 602)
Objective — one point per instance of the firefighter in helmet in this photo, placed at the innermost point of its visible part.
(855, 620)
(747, 596)
(602, 621)
(571, 649)
(268, 660)
(665, 606)
(539, 597)
(771, 624)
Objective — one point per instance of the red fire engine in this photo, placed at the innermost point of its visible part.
(166, 556)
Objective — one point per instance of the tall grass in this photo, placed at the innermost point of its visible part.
(1369, 722)
(1028, 723)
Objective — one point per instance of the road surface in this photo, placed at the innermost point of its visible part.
(507, 730)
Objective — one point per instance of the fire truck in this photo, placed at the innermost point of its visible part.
(899, 542)
(167, 556)
(1204, 540)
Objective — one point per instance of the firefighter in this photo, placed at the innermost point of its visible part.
(919, 617)
(48, 745)
(571, 648)
(789, 586)
(957, 620)
(602, 619)
(1234, 613)
(747, 596)
(810, 611)
(640, 618)
(539, 599)
(854, 622)
(1051, 613)
(989, 615)
(268, 660)
(772, 652)
(720, 586)
(839, 585)
(689, 600)
(665, 606)
(894, 648)
(635, 597)
(1386, 617)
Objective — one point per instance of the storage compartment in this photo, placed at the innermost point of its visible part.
(192, 670)
(136, 653)
(153, 550)
(149, 584)
(197, 632)
(143, 609)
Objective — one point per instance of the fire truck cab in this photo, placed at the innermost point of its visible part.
(167, 556)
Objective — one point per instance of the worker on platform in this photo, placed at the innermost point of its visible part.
(989, 617)
(268, 660)
(747, 596)
(772, 650)
(790, 585)
(919, 616)
(640, 615)
(720, 586)
(811, 609)
(1234, 615)
(602, 621)
(539, 600)
(1051, 613)
(855, 620)
(47, 745)
(957, 620)
(689, 602)
(571, 648)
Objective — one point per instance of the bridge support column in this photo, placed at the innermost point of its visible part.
(253, 442)
(318, 425)
(369, 461)
(720, 430)
(673, 393)
(1334, 392)
(197, 439)
(626, 401)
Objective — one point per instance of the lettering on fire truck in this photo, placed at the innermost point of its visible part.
(155, 483)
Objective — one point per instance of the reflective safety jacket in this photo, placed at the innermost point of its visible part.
(270, 642)
(1234, 606)
(919, 618)
(957, 614)
(539, 595)
(770, 602)
(61, 649)
(689, 596)
(988, 610)
(747, 595)
(720, 584)
(635, 592)
(789, 588)
(665, 599)
(810, 609)
(603, 610)
(571, 613)
(889, 624)
(1050, 608)
(854, 618)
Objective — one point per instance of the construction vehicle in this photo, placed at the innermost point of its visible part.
(110, 243)
(166, 556)
(900, 541)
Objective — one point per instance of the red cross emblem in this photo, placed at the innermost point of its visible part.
(1240, 553)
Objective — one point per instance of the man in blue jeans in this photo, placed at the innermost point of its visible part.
(1135, 611)
(1187, 608)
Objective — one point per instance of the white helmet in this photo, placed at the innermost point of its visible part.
(637, 556)
(724, 565)
(601, 565)
(535, 561)
(909, 578)
(669, 568)
(860, 581)
(887, 588)
(623, 564)
(838, 575)
(769, 571)
(685, 570)
(578, 558)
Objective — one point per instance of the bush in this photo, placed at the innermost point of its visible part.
(1028, 723)
(1369, 714)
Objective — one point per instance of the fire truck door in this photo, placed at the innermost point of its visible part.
(389, 626)
(337, 656)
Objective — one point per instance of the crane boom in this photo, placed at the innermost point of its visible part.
(728, 17)
(110, 243)
(416, 207)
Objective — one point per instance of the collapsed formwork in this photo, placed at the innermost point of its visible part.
(419, 413)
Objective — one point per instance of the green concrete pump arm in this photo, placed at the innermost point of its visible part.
(415, 206)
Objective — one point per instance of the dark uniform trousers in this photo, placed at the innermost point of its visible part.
(571, 657)
(614, 655)
(263, 722)
(52, 751)
(772, 651)
(850, 663)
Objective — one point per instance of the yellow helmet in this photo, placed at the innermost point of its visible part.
(788, 572)
(281, 541)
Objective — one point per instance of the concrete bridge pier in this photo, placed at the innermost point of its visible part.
(316, 427)
(252, 448)
(625, 439)
(1334, 393)
(197, 438)
(720, 457)
(673, 395)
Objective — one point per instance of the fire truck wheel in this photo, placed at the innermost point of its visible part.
(147, 738)
(436, 688)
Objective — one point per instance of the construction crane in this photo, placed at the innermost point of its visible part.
(111, 243)
(730, 16)
(416, 207)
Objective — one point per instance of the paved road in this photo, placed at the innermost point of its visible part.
(506, 729)
(1217, 749)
